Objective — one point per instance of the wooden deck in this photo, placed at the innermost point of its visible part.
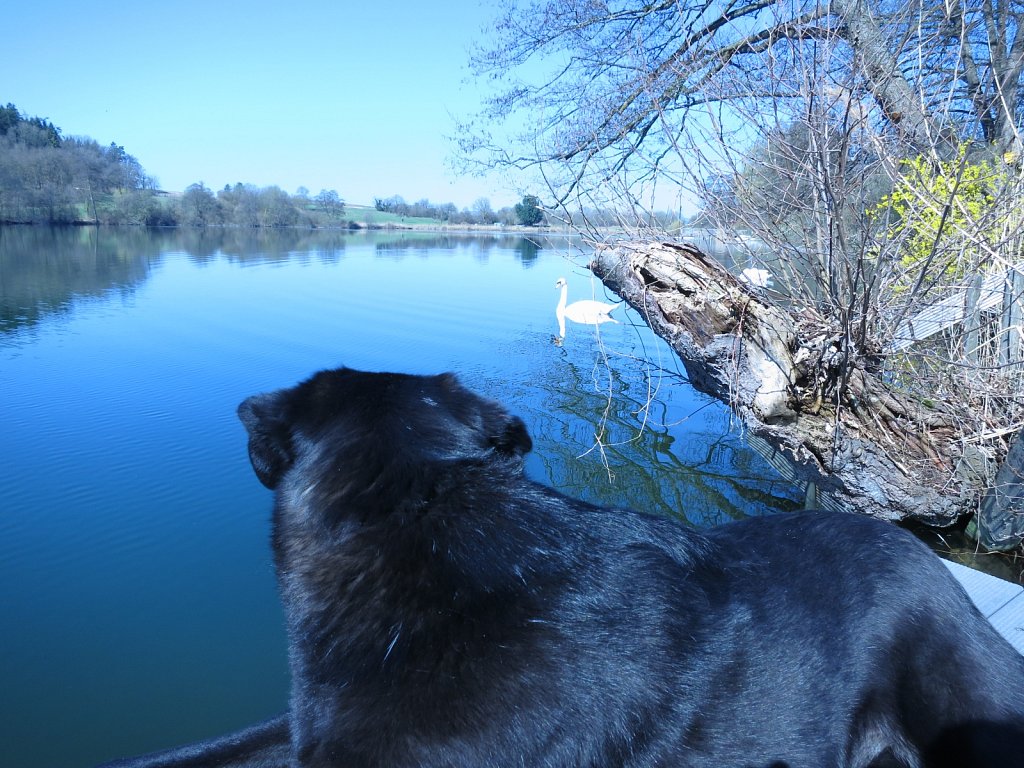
(1001, 601)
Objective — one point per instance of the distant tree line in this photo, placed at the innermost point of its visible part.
(47, 177)
(527, 213)
(246, 205)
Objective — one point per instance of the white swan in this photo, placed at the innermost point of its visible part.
(759, 278)
(588, 312)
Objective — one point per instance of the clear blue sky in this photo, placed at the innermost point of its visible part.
(356, 97)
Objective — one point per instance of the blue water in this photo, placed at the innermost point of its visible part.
(136, 585)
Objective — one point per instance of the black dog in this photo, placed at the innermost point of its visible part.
(445, 611)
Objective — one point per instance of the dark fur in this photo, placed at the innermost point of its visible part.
(264, 745)
(445, 611)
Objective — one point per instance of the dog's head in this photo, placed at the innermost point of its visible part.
(347, 427)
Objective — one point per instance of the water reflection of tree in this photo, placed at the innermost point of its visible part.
(592, 447)
(527, 250)
(405, 243)
(249, 245)
(261, 245)
(44, 269)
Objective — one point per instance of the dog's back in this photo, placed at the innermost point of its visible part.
(861, 618)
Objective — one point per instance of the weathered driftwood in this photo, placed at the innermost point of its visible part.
(863, 447)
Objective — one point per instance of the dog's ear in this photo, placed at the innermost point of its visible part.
(510, 436)
(270, 440)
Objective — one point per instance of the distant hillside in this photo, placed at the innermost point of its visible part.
(46, 177)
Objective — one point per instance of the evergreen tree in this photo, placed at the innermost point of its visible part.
(528, 212)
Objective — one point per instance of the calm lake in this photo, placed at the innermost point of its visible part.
(136, 584)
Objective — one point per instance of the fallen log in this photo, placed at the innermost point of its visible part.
(810, 402)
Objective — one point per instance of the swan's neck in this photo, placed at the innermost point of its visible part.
(561, 301)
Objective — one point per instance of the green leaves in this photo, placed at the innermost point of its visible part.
(528, 212)
(943, 215)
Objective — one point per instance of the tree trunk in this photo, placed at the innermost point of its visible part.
(808, 403)
(900, 102)
(1000, 522)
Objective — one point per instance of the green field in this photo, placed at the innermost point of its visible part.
(369, 216)
(363, 215)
